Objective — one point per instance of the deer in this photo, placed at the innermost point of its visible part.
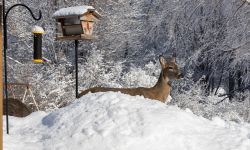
(16, 108)
(160, 91)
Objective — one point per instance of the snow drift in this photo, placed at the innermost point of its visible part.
(114, 121)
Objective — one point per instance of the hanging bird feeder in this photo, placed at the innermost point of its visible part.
(38, 34)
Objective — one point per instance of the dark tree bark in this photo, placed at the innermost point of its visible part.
(239, 80)
(231, 85)
(220, 80)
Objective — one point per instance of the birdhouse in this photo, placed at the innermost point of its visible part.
(76, 23)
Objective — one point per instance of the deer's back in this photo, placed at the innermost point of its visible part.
(16, 108)
(150, 93)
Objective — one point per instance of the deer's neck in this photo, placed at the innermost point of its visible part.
(162, 87)
(162, 82)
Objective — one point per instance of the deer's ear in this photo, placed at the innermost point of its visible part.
(163, 61)
(173, 59)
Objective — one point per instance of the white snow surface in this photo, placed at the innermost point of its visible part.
(72, 11)
(37, 29)
(114, 121)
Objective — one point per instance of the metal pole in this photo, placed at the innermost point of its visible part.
(76, 65)
(5, 72)
(5, 16)
(1, 75)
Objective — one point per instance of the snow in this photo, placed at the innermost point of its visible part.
(114, 121)
(221, 91)
(169, 98)
(72, 11)
(37, 29)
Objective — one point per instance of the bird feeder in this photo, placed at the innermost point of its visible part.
(76, 23)
(38, 33)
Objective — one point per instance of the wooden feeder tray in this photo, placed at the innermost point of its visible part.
(76, 37)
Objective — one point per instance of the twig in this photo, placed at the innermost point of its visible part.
(228, 94)
(15, 60)
(221, 101)
(239, 89)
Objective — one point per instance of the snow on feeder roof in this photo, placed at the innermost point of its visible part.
(76, 23)
(75, 11)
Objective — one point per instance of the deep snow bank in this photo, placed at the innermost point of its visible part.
(114, 121)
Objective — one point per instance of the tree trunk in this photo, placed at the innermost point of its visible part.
(239, 81)
(220, 80)
(231, 86)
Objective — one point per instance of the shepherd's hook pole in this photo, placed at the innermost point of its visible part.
(5, 47)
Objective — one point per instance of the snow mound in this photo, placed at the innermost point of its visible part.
(114, 121)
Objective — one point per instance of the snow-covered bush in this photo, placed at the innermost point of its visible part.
(138, 77)
(213, 105)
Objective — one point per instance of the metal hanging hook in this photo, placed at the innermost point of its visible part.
(32, 14)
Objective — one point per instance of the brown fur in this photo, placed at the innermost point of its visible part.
(160, 91)
(16, 108)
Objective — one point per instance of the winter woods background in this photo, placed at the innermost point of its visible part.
(210, 37)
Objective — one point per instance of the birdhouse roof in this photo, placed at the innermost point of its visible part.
(75, 11)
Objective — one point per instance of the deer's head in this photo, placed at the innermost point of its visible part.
(170, 68)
